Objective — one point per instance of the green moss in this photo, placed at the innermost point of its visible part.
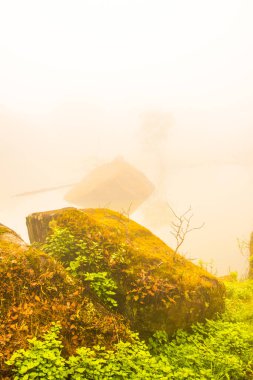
(156, 286)
(36, 290)
(4, 230)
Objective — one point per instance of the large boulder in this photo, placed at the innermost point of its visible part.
(10, 236)
(36, 290)
(117, 185)
(157, 288)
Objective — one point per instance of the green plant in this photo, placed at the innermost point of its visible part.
(215, 350)
(88, 257)
(42, 360)
(103, 286)
(126, 361)
(60, 244)
(84, 259)
(239, 302)
(76, 254)
(219, 349)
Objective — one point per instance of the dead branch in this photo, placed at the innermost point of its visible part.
(182, 226)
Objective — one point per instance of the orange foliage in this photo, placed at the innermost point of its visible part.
(35, 290)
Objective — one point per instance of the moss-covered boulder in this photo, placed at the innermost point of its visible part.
(36, 290)
(157, 288)
(8, 235)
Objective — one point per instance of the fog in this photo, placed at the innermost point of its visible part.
(167, 85)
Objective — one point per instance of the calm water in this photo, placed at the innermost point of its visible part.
(220, 196)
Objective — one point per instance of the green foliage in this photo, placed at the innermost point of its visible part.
(42, 360)
(61, 244)
(240, 290)
(215, 350)
(239, 302)
(233, 276)
(84, 259)
(148, 274)
(126, 361)
(103, 286)
(77, 254)
(220, 349)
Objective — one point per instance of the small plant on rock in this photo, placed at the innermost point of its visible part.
(84, 259)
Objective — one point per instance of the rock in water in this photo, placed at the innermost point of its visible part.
(157, 288)
(116, 185)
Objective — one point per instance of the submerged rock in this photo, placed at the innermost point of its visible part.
(157, 288)
(116, 185)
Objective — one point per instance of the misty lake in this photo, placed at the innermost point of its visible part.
(220, 196)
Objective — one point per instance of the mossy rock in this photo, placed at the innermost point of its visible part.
(8, 235)
(36, 290)
(157, 288)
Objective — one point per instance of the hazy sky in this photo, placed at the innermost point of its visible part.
(81, 80)
(193, 53)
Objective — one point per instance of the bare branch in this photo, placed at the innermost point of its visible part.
(243, 247)
(182, 226)
(197, 228)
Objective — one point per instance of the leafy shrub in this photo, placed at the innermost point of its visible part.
(240, 290)
(127, 361)
(102, 286)
(215, 350)
(61, 244)
(42, 360)
(239, 302)
(84, 260)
